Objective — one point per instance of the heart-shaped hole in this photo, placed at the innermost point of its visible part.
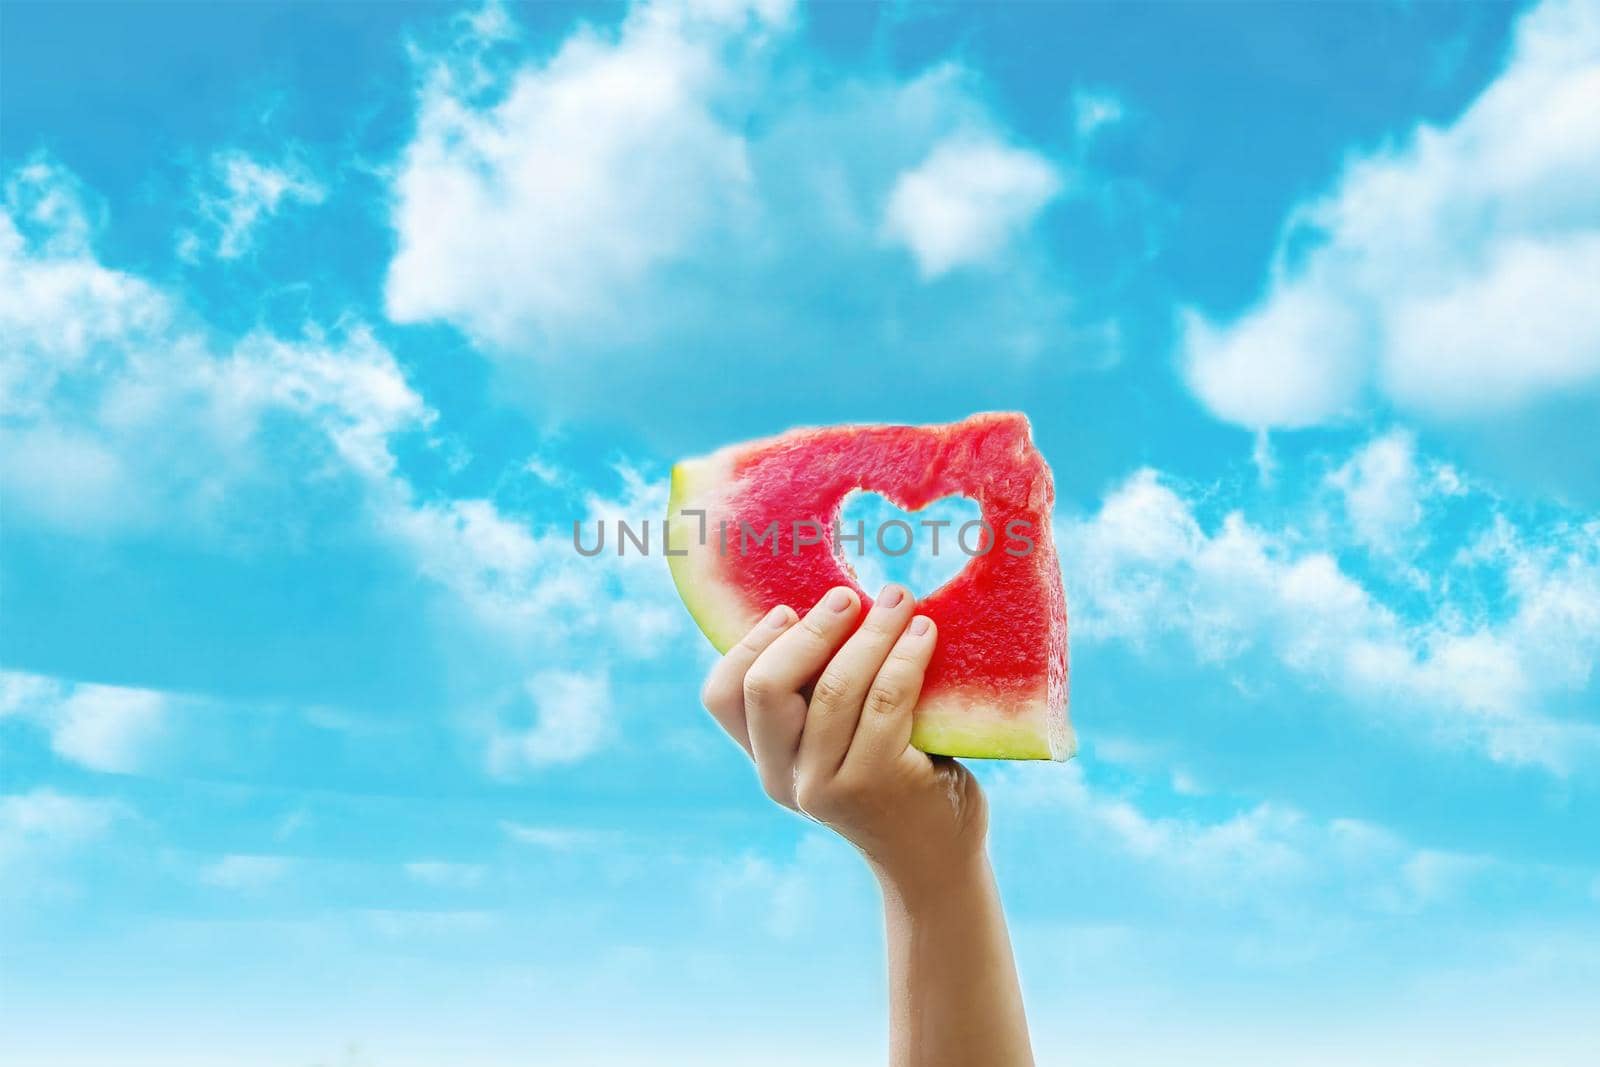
(919, 549)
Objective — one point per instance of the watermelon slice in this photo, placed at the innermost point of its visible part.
(757, 524)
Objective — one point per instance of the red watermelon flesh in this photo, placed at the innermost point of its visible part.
(997, 685)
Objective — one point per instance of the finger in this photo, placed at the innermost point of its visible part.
(884, 732)
(775, 712)
(723, 694)
(836, 699)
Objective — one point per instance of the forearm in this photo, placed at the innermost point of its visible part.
(954, 1000)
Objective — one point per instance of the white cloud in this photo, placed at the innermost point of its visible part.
(406, 925)
(693, 180)
(966, 201)
(783, 895)
(1272, 367)
(195, 437)
(60, 311)
(1095, 109)
(23, 693)
(556, 838)
(1526, 324)
(594, 169)
(242, 192)
(643, 603)
(1145, 567)
(102, 727)
(245, 872)
(1261, 844)
(45, 819)
(788, 897)
(572, 719)
(1452, 274)
(445, 875)
(534, 584)
(1383, 487)
(124, 414)
(1262, 853)
(107, 727)
(498, 566)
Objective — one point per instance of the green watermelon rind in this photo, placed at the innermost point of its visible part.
(715, 608)
(954, 724)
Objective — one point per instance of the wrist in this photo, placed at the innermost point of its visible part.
(934, 881)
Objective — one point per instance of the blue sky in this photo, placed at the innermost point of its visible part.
(320, 325)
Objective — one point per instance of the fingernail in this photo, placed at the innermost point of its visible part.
(920, 625)
(891, 596)
(777, 618)
(838, 600)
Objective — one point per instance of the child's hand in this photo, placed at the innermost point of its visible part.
(829, 728)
